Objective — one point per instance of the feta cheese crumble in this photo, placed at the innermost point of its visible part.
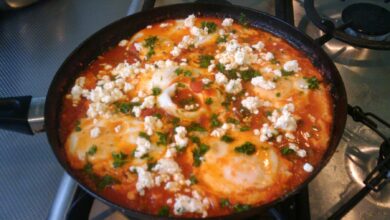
(291, 66)
(308, 167)
(233, 86)
(180, 136)
(227, 22)
(151, 124)
(259, 81)
(95, 132)
(251, 103)
(143, 147)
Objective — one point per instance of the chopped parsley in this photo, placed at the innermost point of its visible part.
(88, 168)
(77, 127)
(220, 67)
(249, 74)
(126, 107)
(286, 150)
(274, 61)
(224, 203)
(232, 121)
(195, 140)
(247, 148)
(105, 181)
(243, 20)
(92, 150)
(144, 135)
(180, 71)
(119, 159)
(150, 43)
(214, 121)
(175, 121)
(245, 128)
(222, 39)
(211, 26)
(241, 207)
(209, 101)
(162, 138)
(151, 164)
(312, 82)
(195, 127)
(227, 139)
(198, 152)
(287, 73)
(205, 60)
(277, 94)
(193, 180)
(164, 211)
(158, 115)
(156, 91)
(228, 100)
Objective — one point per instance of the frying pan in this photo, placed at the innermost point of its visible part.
(14, 111)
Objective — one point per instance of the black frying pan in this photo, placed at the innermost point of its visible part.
(15, 109)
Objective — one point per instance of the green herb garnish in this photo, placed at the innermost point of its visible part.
(77, 127)
(105, 181)
(241, 207)
(126, 107)
(222, 39)
(312, 82)
(164, 211)
(224, 203)
(195, 140)
(286, 150)
(162, 138)
(150, 43)
(243, 20)
(195, 127)
(92, 150)
(232, 121)
(156, 91)
(175, 121)
(205, 60)
(247, 148)
(119, 159)
(198, 152)
(277, 94)
(211, 26)
(245, 128)
(209, 101)
(227, 139)
(249, 74)
(287, 73)
(220, 67)
(144, 135)
(193, 180)
(88, 168)
(214, 121)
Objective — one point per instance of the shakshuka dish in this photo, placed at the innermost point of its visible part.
(197, 117)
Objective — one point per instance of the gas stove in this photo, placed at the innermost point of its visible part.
(356, 36)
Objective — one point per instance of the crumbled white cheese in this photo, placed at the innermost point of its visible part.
(167, 166)
(290, 136)
(145, 179)
(233, 86)
(251, 103)
(258, 46)
(122, 43)
(267, 132)
(259, 81)
(143, 147)
(180, 136)
(117, 128)
(236, 54)
(221, 131)
(308, 167)
(149, 102)
(95, 132)
(206, 81)
(220, 78)
(277, 73)
(286, 121)
(291, 66)
(149, 26)
(152, 123)
(138, 46)
(189, 21)
(176, 51)
(128, 87)
(268, 56)
(184, 203)
(163, 25)
(301, 153)
(227, 22)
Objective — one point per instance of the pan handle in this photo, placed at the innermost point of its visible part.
(23, 114)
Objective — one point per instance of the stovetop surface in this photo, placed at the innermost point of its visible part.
(35, 40)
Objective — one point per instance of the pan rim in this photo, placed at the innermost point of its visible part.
(341, 101)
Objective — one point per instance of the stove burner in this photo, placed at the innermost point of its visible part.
(367, 18)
